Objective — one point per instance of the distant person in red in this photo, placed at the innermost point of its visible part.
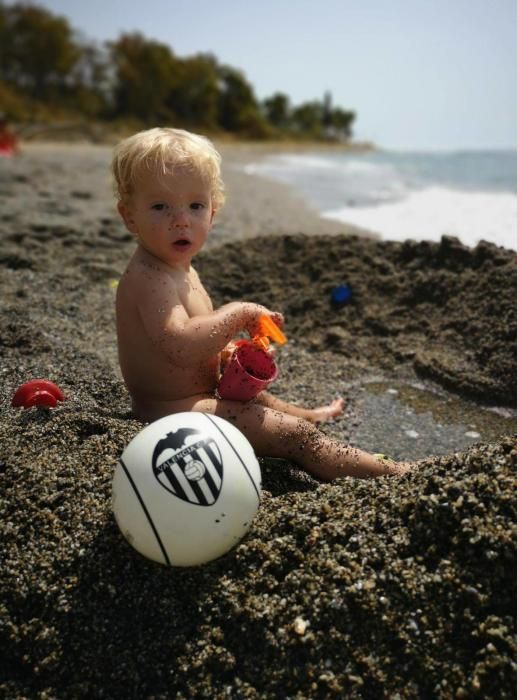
(8, 140)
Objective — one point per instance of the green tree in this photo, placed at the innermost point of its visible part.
(195, 97)
(92, 89)
(238, 107)
(340, 122)
(146, 72)
(308, 118)
(278, 110)
(37, 51)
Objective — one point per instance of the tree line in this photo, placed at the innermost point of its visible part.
(49, 71)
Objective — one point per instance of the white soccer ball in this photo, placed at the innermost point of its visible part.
(186, 489)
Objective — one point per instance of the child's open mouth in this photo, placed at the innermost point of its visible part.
(182, 244)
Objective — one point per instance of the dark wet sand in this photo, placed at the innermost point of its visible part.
(356, 589)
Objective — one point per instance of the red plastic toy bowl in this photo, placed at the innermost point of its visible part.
(250, 371)
(37, 392)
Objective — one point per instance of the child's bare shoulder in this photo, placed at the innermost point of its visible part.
(147, 281)
(143, 271)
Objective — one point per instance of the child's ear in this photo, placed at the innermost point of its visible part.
(127, 217)
(213, 214)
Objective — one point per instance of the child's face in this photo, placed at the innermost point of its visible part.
(170, 215)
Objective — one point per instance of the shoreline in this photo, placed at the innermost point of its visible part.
(276, 209)
(416, 198)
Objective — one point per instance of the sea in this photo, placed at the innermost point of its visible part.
(400, 194)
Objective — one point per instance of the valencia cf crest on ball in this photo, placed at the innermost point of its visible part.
(190, 467)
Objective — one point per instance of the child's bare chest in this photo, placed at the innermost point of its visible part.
(195, 298)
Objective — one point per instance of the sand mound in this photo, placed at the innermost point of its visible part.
(448, 310)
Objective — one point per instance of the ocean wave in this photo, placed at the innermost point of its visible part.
(293, 165)
(435, 211)
(332, 179)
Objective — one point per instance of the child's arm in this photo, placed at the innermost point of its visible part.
(189, 340)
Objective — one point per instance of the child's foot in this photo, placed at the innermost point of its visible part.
(392, 467)
(326, 413)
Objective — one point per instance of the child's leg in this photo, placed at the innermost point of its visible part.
(276, 434)
(314, 415)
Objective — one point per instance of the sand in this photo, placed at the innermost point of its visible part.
(357, 589)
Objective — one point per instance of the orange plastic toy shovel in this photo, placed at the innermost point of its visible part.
(268, 329)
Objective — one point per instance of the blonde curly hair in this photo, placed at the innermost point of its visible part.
(166, 149)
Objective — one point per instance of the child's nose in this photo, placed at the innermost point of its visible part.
(180, 217)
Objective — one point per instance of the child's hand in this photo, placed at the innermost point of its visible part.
(253, 327)
(226, 354)
(277, 318)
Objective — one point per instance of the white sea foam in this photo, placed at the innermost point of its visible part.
(286, 163)
(430, 213)
(291, 168)
(471, 195)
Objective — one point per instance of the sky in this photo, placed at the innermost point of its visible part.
(420, 74)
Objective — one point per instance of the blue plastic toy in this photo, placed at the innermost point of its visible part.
(341, 295)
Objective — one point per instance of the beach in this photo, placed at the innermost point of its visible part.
(387, 588)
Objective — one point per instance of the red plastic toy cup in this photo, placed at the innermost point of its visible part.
(251, 370)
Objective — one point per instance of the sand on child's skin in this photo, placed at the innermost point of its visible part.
(364, 589)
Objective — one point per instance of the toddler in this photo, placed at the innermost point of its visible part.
(170, 338)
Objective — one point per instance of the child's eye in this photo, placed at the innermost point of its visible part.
(159, 207)
(197, 206)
